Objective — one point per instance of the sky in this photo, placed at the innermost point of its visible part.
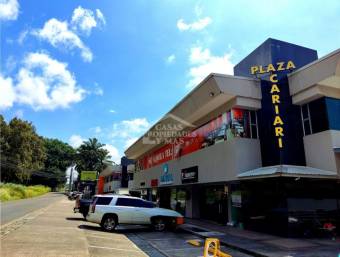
(111, 69)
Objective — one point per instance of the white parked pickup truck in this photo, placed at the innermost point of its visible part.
(111, 210)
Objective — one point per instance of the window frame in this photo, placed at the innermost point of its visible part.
(253, 124)
(308, 119)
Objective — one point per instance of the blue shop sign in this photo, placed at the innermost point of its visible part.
(167, 177)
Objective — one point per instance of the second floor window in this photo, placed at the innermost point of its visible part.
(306, 123)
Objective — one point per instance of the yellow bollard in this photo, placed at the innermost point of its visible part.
(212, 245)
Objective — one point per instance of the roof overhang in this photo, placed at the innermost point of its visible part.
(288, 171)
(317, 79)
(110, 169)
(214, 91)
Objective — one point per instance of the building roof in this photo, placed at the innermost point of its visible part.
(287, 171)
(316, 79)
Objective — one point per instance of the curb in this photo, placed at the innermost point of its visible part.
(235, 247)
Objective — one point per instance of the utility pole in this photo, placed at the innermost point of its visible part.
(71, 179)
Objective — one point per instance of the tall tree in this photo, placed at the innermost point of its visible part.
(24, 151)
(91, 156)
(59, 156)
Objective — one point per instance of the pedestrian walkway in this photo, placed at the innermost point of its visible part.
(259, 244)
(56, 231)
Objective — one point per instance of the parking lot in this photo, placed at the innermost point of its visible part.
(154, 244)
(57, 231)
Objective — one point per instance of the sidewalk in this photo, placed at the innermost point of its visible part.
(56, 231)
(264, 245)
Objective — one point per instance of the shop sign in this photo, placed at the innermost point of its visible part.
(154, 182)
(236, 199)
(88, 175)
(189, 175)
(166, 178)
(275, 91)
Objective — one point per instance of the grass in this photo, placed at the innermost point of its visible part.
(11, 191)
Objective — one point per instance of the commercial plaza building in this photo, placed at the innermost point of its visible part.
(260, 149)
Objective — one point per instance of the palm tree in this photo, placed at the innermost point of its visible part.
(91, 155)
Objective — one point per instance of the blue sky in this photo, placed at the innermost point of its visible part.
(110, 69)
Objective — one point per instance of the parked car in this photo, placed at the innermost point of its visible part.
(73, 195)
(82, 205)
(111, 210)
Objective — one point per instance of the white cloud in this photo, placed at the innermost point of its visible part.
(58, 35)
(194, 26)
(97, 90)
(76, 140)
(127, 128)
(100, 16)
(130, 141)
(203, 63)
(112, 111)
(127, 131)
(96, 130)
(11, 63)
(45, 83)
(9, 10)
(7, 95)
(19, 114)
(22, 36)
(113, 151)
(171, 58)
(84, 20)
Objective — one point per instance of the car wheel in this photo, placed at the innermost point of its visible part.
(109, 223)
(159, 224)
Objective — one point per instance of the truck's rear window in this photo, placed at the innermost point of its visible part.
(102, 200)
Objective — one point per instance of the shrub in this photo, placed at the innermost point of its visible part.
(11, 191)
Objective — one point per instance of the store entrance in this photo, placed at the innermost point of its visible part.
(178, 200)
(214, 203)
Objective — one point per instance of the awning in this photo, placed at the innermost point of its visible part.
(287, 171)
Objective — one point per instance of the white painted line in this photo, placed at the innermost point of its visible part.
(117, 249)
(112, 238)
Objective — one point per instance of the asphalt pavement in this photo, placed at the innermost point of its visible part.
(55, 230)
(13, 210)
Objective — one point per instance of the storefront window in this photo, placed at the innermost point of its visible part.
(178, 200)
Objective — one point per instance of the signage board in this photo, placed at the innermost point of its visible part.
(166, 178)
(88, 175)
(189, 175)
(154, 182)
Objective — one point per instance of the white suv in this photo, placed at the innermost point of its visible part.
(110, 210)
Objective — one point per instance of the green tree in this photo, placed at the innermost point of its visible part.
(92, 156)
(23, 151)
(4, 149)
(59, 156)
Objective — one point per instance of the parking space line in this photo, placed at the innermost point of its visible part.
(117, 249)
(112, 238)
